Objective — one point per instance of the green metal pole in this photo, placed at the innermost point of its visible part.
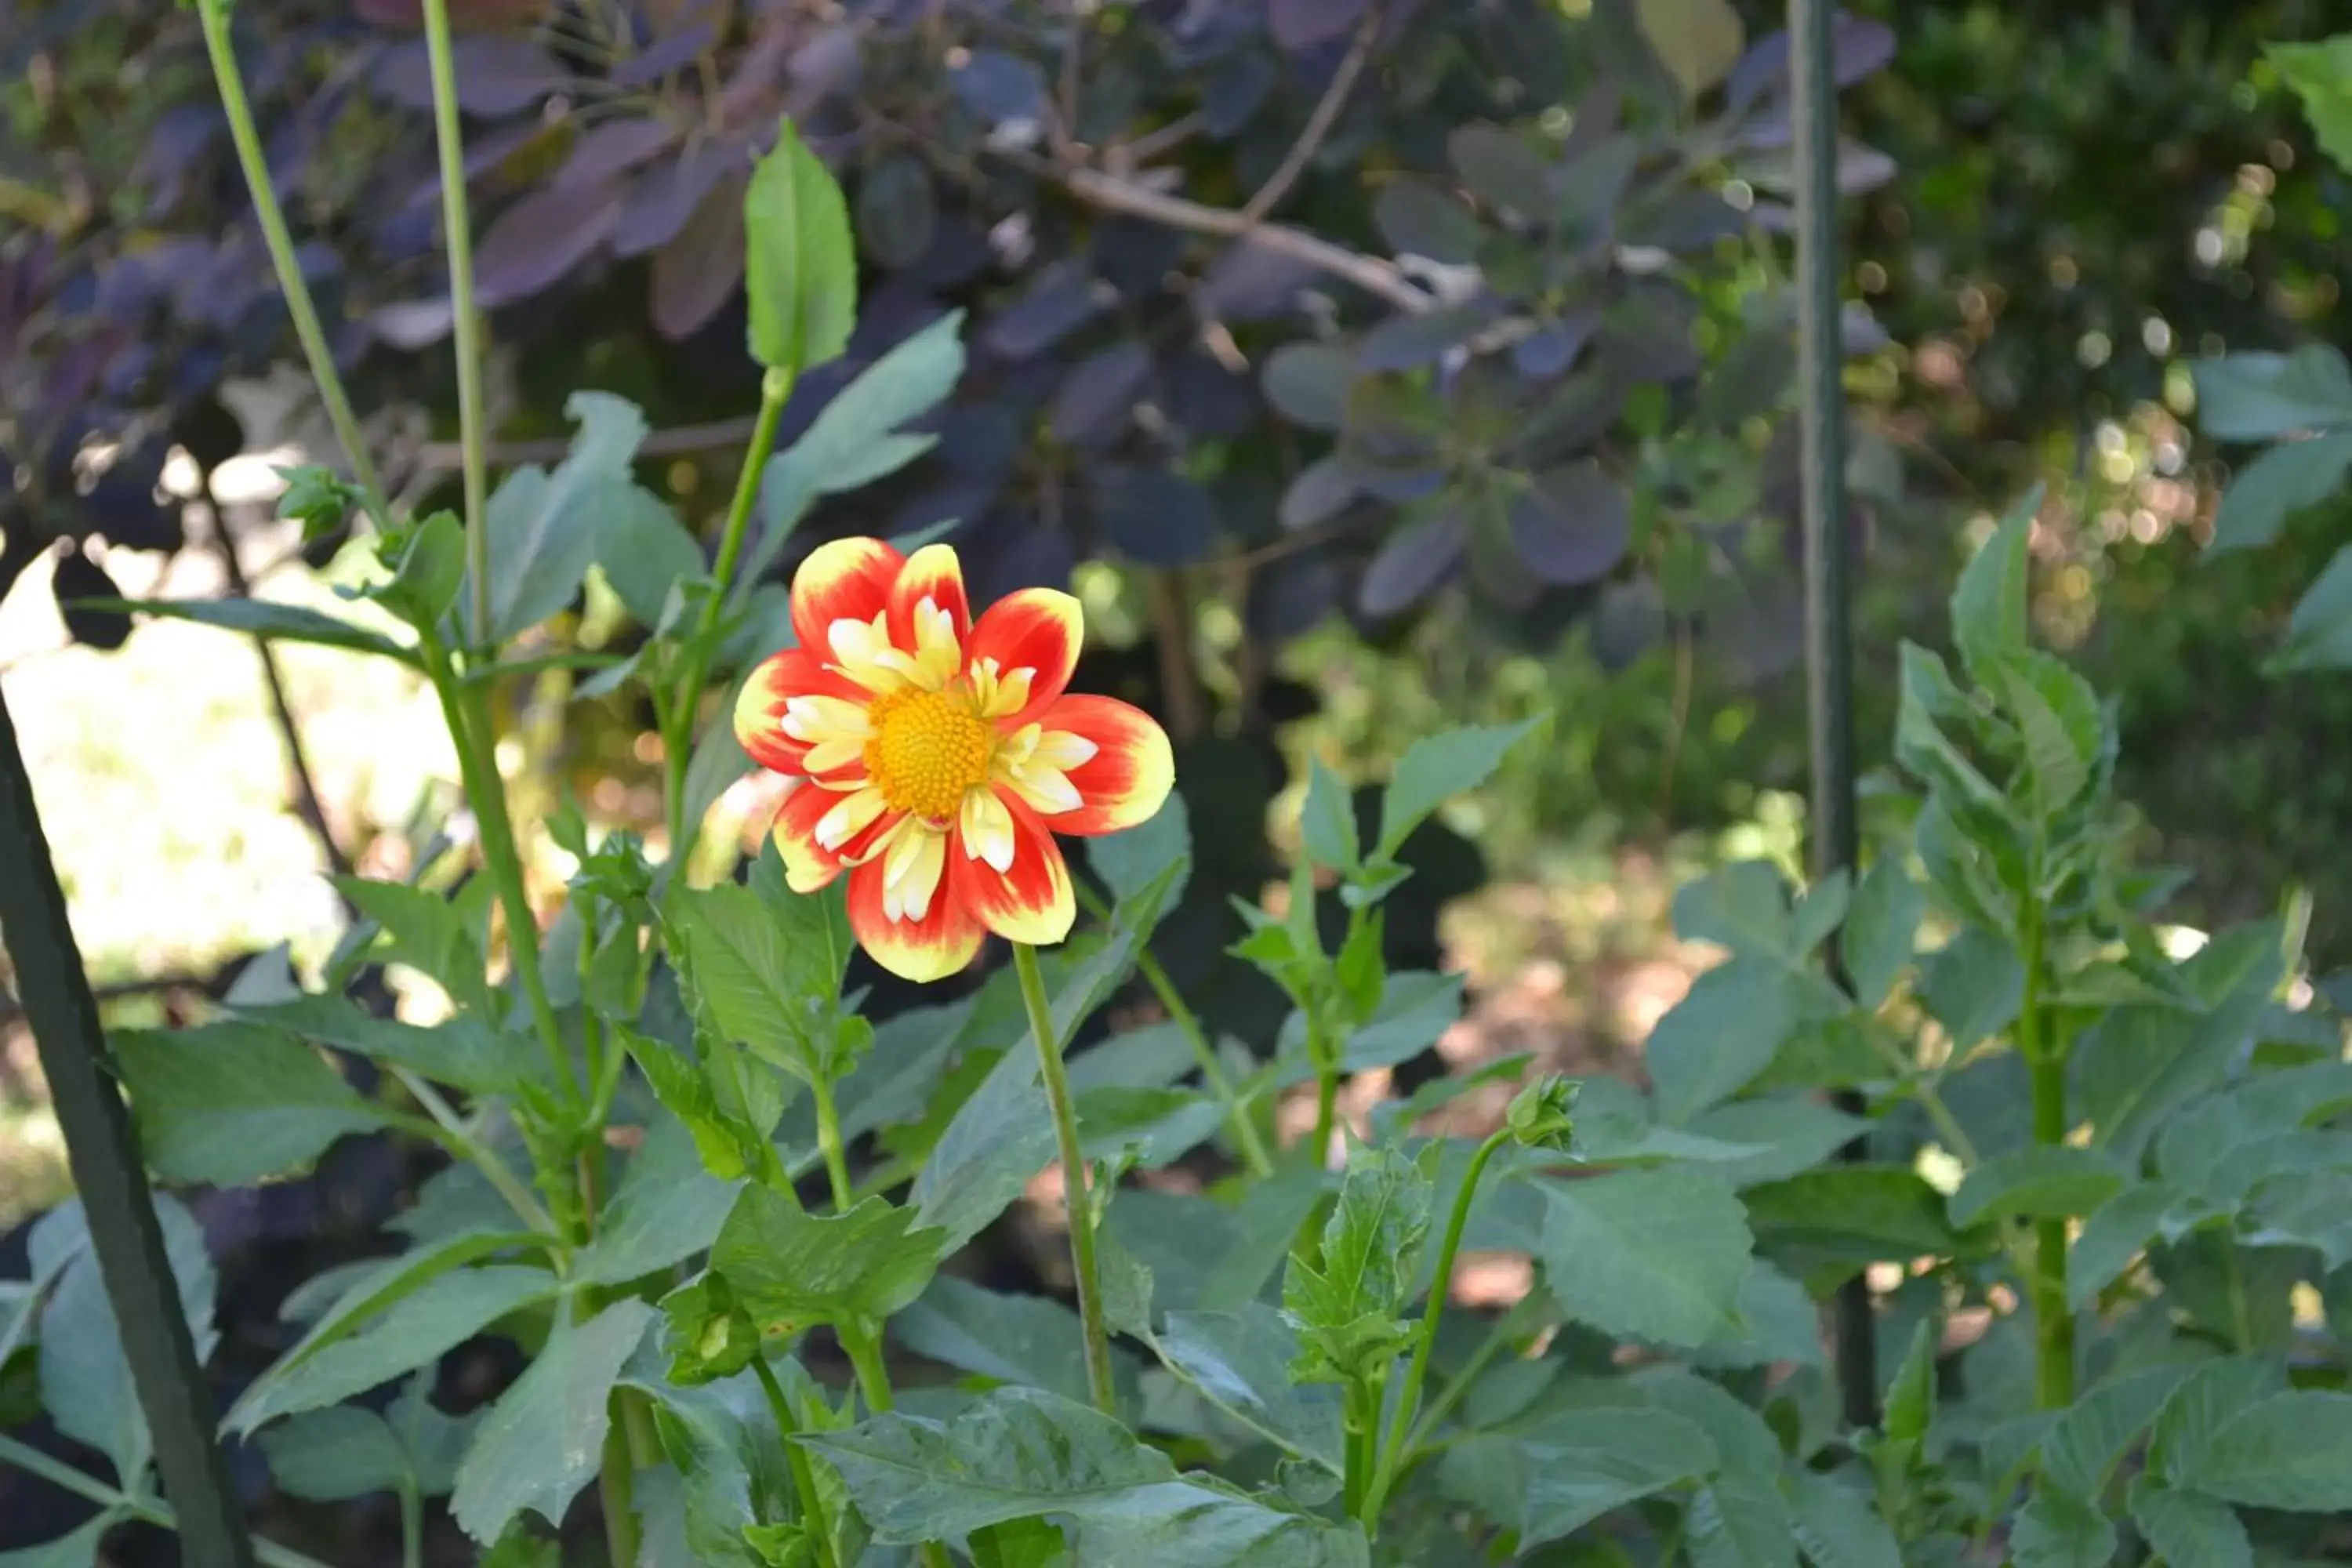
(111, 1179)
(1829, 637)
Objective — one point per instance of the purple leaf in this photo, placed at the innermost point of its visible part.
(1684, 221)
(1303, 24)
(612, 148)
(1861, 46)
(896, 212)
(1416, 559)
(539, 238)
(1572, 524)
(1208, 398)
(1630, 620)
(1407, 342)
(1059, 302)
(697, 272)
(1547, 352)
(1289, 597)
(1307, 384)
(412, 324)
(663, 55)
(998, 86)
(1095, 400)
(1318, 493)
(1236, 85)
(494, 76)
(1252, 283)
(661, 199)
(1417, 218)
(1153, 516)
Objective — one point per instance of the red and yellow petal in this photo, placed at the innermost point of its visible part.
(760, 706)
(1036, 629)
(845, 579)
(939, 944)
(1032, 900)
(809, 866)
(1125, 783)
(932, 572)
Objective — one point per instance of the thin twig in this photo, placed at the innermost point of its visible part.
(1318, 124)
(1065, 117)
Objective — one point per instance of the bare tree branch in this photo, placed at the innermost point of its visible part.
(1318, 124)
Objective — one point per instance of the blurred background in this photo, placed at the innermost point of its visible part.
(1290, 539)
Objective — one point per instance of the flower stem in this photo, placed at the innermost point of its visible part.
(813, 1517)
(1393, 1452)
(616, 1486)
(308, 330)
(1074, 1178)
(677, 749)
(829, 1140)
(2053, 1363)
(466, 324)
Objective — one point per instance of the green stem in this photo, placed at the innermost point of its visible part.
(154, 1510)
(829, 1140)
(1326, 1096)
(412, 1526)
(2054, 1371)
(678, 750)
(1213, 1072)
(464, 321)
(1392, 1452)
(459, 1140)
(465, 711)
(213, 16)
(863, 1345)
(616, 1486)
(1074, 1178)
(812, 1516)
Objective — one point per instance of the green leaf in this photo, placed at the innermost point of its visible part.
(1739, 1520)
(792, 1269)
(1743, 907)
(543, 525)
(1973, 986)
(2261, 396)
(2267, 492)
(801, 267)
(543, 1440)
(646, 553)
(1346, 1300)
(1911, 1396)
(264, 619)
(2140, 1065)
(2292, 1451)
(2116, 1232)
(1988, 606)
(1240, 1360)
(2319, 631)
(1207, 1257)
(1724, 1032)
(1328, 821)
(2320, 74)
(2057, 1531)
(1131, 862)
(2039, 1182)
(1698, 41)
(767, 984)
(1438, 767)
(84, 1379)
(1656, 1254)
(855, 439)
(2084, 1445)
(1860, 1211)
(1786, 1136)
(729, 1107)
(427, 932)
(2058, 717)
(1020, 1452)
(1013, 1339)
(348, 1451)
(419, 1323)
(1556, 1480)
(432, 570)
(719, 762)
(464, 1052)
(668, 1208)
(230, 1103)
(76, 1550)
(1837, 1525)
(2187, 1528)
(2205, 1402)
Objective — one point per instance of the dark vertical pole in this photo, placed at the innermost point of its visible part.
(111, 1179)
(1829, 648)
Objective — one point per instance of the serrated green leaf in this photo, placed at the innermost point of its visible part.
(791, 1268)
(1554, 1481)
(1739, 1520)
(1837, 1525)
(2090, 1439)
(337, 1358)
(2057, 1531)
(1743, 907)
(542, 524)
(2185, 1527)
(766, 984)
(347, 1451)
(1028, 1339)
(1131, 862)
(1973, 986)
(2139, 1066)
(230, 1103)
(2204, 1402)
(2042, 1181)
(731, 1130)
(2319, 631)
(2320, 73)
(1438, 767)
(78, 1549)
(801, 268)
(2282, 481)
(1742, 1440)
(1784, 1135)
(1347, 1300)
(1988, 606)
(427, 932)
(1656, 1254)
(2263, 396)
(1724, 1032)
(2057, 717)
(2115, 1232)
(264, 619)
(1862, 1212)
(1328, 821)
(1240, 1360)
(2292, 1451)
(666, 1208)
(540, 1443)
(466, 1053)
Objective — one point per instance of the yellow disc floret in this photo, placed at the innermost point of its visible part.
(929, 748)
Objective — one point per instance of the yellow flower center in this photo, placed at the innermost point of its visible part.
(928, 747)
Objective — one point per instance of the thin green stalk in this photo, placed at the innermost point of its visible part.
(616, 1488)
(1327, 1095)
(829, 1140)
(459, 1140)
(814, 1519)
(412, 1526)
(213, 16)
(464, 320)
(1392, 1452)
(863, 1348)
(1074, 1178)
(2054, 1369)
(1252, 1147)
(154, 1510)
(465, 713)
(678, 736)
